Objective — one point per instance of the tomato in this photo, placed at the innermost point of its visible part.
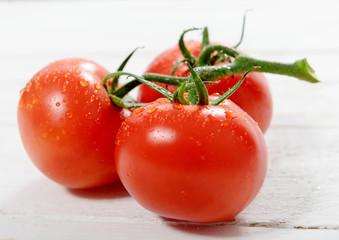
(190, 162)
(68, 124)
(254, 96)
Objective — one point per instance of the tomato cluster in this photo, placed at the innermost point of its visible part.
(193, 155)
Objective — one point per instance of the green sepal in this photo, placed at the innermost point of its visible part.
(200, 87)
(184, 50)
(120, 68)
(179, 94)
(193, 97)
(205, 38)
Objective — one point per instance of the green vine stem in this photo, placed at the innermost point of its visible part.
(206, 53)
(299, 69)
(161, 90)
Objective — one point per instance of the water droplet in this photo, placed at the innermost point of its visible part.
(177, 106)
(29, 106)
(151, 109)
(66, 84)
(84, 83)
(63, 91)
(199, 143)
(88, 115)
(66, 75)
(97, 120)
(215, 94)
(231, 114)
(163, 100)
(139, 110)
(69, 114)
(97, 86)
(57, 104)
(76, 101)
(93, 97)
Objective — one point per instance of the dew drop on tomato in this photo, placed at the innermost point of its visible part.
(152, 109)
(97, 86)
(88, 115)
(69, 114)
(84, 83)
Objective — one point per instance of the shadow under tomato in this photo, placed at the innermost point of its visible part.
(111, 191)
(222, 229)
(43, 197)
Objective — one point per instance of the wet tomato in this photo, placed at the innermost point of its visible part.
(190, 162)
(68, 124)
(254, 96)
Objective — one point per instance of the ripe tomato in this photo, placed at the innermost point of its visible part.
(254, 96)
(190, 162)
(68, 124)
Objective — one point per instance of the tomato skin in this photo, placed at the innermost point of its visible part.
(68, 124)
(191, 163)
(254, 96)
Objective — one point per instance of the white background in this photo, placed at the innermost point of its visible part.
(300, 197)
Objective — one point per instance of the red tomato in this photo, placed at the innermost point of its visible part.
(189, 162)
(254, 96)
(68, 124)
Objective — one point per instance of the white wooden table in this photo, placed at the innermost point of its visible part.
(300, 197)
